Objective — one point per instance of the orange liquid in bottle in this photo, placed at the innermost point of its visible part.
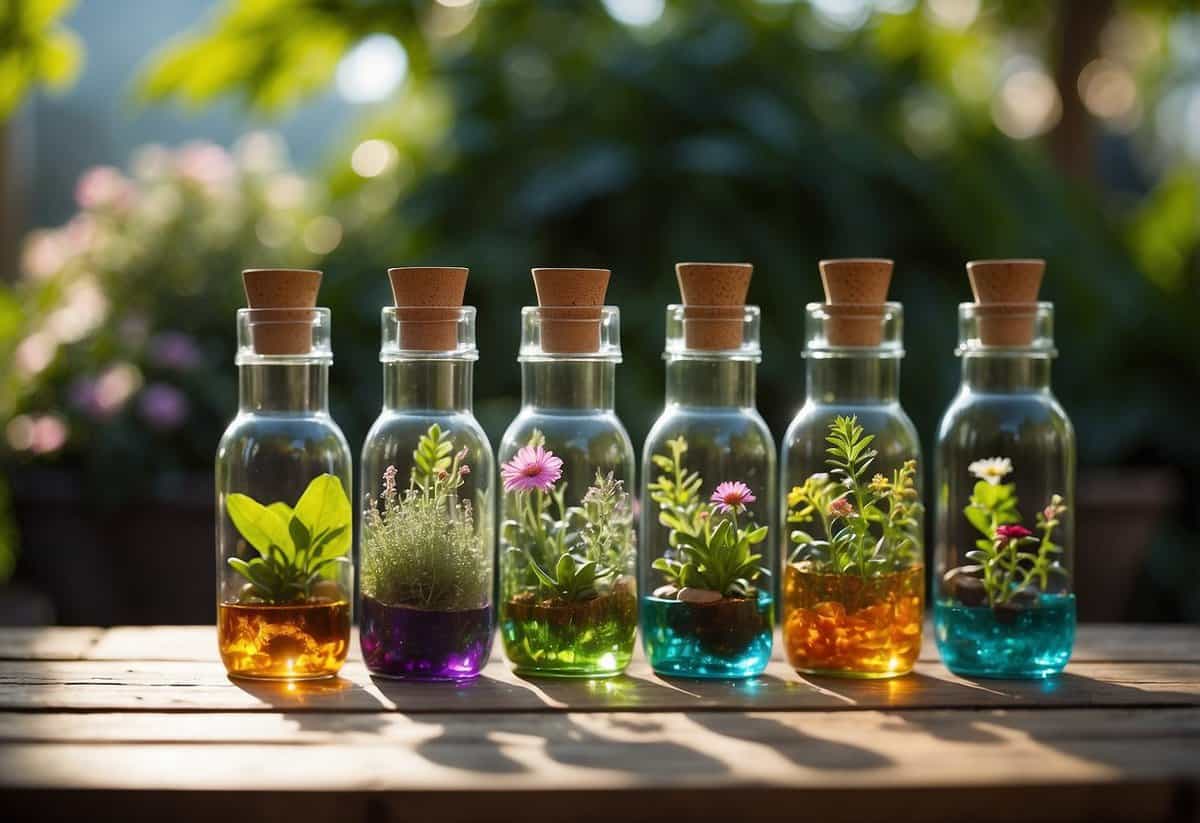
(299, 641)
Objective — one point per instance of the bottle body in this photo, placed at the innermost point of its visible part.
(284, 529)
(1005, 473)
(853, 587)
(568, 604)
(427, 513)
(708, 460)
(864, 621)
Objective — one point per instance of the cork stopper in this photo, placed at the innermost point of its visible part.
(287, 332)
(856, 290)
(1006, 292)
(714, 301)
(428, 300)
(570, 302)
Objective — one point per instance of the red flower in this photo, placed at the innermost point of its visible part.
(1012, 532)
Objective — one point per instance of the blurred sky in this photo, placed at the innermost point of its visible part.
(99, 121)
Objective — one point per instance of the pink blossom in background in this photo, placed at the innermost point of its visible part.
(163, 406)
(531, 469)
(103, 187)
(206, 164)
(45, 253)
(732, 496)
(175, 350)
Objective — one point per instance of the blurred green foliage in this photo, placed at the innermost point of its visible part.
(35, 49)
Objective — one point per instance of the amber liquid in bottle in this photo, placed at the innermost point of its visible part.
(287, 641)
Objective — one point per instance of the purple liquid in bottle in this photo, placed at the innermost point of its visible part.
(418, 644)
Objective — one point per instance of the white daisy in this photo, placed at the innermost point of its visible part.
(991, 469)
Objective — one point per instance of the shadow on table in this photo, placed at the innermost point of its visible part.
(790, 743)
(482, 743)
(328, 694)
(1076, 733)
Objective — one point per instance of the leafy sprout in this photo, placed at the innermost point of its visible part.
(847, 524)
(706, 550)
(297, 547)
(1011, 558)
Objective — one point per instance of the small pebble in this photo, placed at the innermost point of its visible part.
(667, 592)
(690, 595)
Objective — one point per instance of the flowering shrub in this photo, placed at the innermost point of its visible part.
(848, 524)
(708, 550)
(116, 342)
(567, 551)
(1010, 560)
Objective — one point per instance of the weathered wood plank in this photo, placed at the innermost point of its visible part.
(582, 751)
(1138, 802)
(1095, 642)
(48, 643)
(203, 686)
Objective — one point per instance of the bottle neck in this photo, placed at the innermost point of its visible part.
(1007, 374)
(283, 387)
(710, 382)
(569, 384)
(857, 380)
(443, 385)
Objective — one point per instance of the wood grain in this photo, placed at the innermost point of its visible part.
(143, 724)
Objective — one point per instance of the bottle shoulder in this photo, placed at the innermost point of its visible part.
(392, 424)
(722, 426)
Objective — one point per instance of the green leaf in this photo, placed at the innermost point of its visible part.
(324, 506)
(261, 527)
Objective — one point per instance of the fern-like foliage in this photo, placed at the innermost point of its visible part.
(847, 524)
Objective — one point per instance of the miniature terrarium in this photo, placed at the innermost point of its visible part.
(568, 602)
(708, 499)
(284, 519)
(1006, 482)
(427, 469)
(853, 574)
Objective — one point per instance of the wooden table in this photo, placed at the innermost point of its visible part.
(142, 723)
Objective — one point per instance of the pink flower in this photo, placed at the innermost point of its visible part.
(389, 481)
(841, 508)
(464, 470)
(102, 186)
(1012, 532)
(532, 468)
(732, 496)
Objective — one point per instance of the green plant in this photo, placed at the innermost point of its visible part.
(567, 550)
(297, 547)
(867, 528)
(420, 547)
(707, 548)
(1007, 561)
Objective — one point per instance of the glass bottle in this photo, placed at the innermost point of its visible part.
(427, 505)
(709, 439)
(852, 609)
(568, 604)
(284, 524)
(1006, 480)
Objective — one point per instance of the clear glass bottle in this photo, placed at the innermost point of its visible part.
(853, 608)
(427, 508)
(709, 439)
(1005, 529)
(568, 601)
(284, 521)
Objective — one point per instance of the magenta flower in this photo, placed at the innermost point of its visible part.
(532, 468)
(1012, 532)
(732, 496)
